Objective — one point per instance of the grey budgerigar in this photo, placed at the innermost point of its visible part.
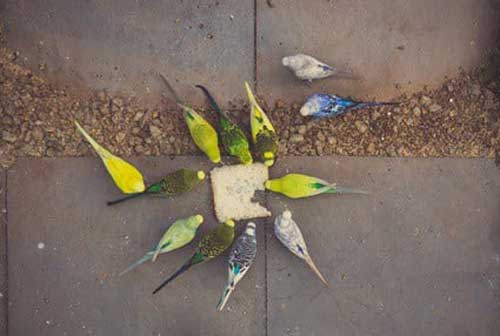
(289, 234)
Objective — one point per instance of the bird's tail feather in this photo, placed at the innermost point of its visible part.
(225, 296)
(342, 74)
(126, 198)
(211, 100)
(369, 104)
(187, 265)
(139, 262)
(315, 269)
(171, 89)
(343, 190)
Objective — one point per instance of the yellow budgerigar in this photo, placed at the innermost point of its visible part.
(264, 136)
(126, 177)
(300, 186)
(203, 134)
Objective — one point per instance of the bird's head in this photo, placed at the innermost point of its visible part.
(310, 108)
(200, 174)
(268, 159)
(195, 221)
(229, 223)
(292, 62)
(250, 229)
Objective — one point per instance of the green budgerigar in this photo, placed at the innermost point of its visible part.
(232, 137)
(202, 133)
(179, 234)
(263, 134)
(300, 186)
(178, 182)
(211, 245)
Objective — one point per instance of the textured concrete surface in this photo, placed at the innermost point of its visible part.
(387, 42)
(420, 256)
(121, 46)
(70, 284)
(3, 253)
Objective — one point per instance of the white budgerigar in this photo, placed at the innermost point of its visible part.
(289, 234)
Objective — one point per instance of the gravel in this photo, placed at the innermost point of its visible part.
(458, 119)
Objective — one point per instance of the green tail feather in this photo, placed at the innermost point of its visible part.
(147, 256)
(342, 190)
(126, 198)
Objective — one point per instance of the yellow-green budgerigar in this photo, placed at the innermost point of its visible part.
(202, 133)
(179, 234)
(126, 177)
(300, 186)
(264, 136)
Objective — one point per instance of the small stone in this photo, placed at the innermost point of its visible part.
(370, 149)
(9, 137)
(402, 151)
(361, 126)
(296, 138)
(37, 134)
(450, 88)
(425, 100)
(120, 136)
(476, 90)
(138, 116)
(118, 102)
(302, 129)
(376, 115)
(452, 113)
(321, 137)
(435, 108)
(417, 111)
(279, 104)
(139, 149)
(332, 141)
(155, 131)
(319, 147)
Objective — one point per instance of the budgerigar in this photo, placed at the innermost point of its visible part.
(289, 234)
(231, 135)
(126, 177)
(308, 68)
(320, 105)
(211, 245)
(202, 133)
(240, 259)
(300, 186)
(263, 134)
(179, 234)
(177, 182)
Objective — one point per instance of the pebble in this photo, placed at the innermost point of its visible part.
(424, 100)
(120, 136)
(361, 126)
(37, 134)
(302, 129)
(296, 138)
(155, 131)
(138, 116)
(371, 148)
(9, 137)
(435, 108)
(417, 111)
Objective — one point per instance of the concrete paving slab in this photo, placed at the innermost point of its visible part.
(66, 248)
(388, 42)
(121, 46)
(420, 256)
(3, 253)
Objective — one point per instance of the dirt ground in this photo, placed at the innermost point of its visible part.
(459, 119)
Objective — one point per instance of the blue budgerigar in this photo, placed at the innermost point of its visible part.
(322, 105)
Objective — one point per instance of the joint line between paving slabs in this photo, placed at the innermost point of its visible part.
(255, 44)
(5, 218)
(266, 300)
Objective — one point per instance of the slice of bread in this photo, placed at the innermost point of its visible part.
(234, 187)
